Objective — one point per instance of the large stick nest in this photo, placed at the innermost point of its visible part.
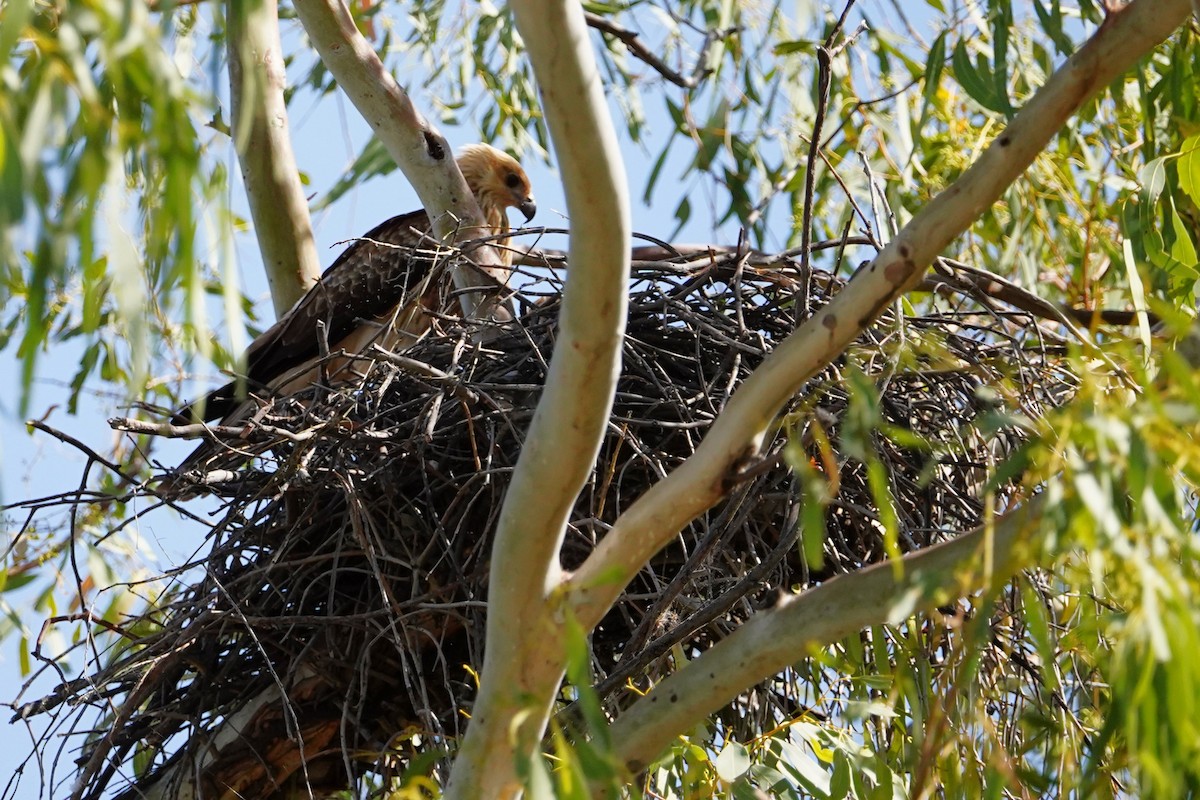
(349, 568)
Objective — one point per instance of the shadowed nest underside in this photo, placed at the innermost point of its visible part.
(349, 567)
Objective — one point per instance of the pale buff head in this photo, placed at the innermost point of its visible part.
(498, 183)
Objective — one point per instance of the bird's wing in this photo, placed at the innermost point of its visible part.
(368, 279)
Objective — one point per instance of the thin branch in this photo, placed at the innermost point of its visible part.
(260, 133)
(709, 474)
(200, 430)
(633, 42)
(523, 655)
(965, 278)
(92, 455)
(682, 254)
(771, 640)
(810, 177)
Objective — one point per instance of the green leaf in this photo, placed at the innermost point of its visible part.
(1182, 249)
(1039, 630)
(796, 46)
(604, 9)
(804, 769)
(12, 584)
(538, 784)
(652, 179)
(1153, 178)
(16, 15)
(732, 762)
(571, 780)
(712, 137)
(683, 212)
(1188, 166)
(840, 783)
(579, 672)
(86, 365)
(1052, 23)
(12, 195)
(935, 65)
(977, 80)
(1001, 22)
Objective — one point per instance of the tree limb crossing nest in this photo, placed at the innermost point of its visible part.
(349, 567)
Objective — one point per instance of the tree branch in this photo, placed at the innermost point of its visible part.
(421, 152)
(260, 135)
(967, 279)
(633, 42)
(707, 476)
(523, 656)
(771, 640)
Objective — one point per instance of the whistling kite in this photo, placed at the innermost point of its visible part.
(365, 287)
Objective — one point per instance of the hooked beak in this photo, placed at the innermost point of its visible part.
(527, 207)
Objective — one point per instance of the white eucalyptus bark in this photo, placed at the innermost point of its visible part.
(771, 640)
(260, 134)
(735, 437)
(524, 654)
(421, 152)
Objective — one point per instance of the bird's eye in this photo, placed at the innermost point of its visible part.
(512, 181)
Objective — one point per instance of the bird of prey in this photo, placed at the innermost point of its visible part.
(364, 289)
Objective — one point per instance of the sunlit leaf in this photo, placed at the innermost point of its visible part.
(977, 79)
(1189, 167)
(732, 762)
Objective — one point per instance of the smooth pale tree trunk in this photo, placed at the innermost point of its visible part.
(261, 137)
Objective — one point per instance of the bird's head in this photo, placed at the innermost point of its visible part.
(498, 183)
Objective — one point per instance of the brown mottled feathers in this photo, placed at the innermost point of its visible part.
(367, 281)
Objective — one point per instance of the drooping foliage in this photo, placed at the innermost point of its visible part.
(797, 126)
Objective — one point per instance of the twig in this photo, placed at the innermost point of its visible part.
(965, 277)
(814, 145)
(92, 455)
(633, 43)
(200, 430)
(428, 370)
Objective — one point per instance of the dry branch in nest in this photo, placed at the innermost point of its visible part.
(349, 567)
